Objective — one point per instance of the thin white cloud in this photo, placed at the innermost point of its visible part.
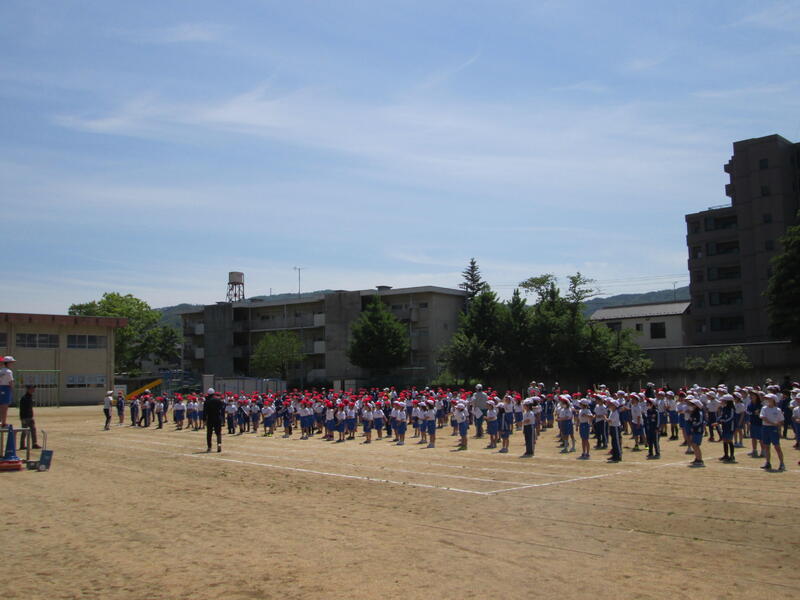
(434, 143)
(746, 91)
(782, 16)
(591, 87)
(178, 34)
(642, 63)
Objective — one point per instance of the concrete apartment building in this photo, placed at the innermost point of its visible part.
(730, 246)
(219, 338)
(70, 359)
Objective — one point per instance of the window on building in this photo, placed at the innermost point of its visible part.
(37, 340)
(658, 331)
(733, 323)
(729, 247)
(699, 325)
(3, 339)
(767, 218)
(91, 342)
(696, 252)
(769, 245)
(731, 272)
(694, 226)
(716, 223)
(40, 380)
(765, 190)
(698, 276)
(614, 326)
(639, 327)
(423, 305)
(725, 298)
(86, 381)
(763, 164)
(698, 301)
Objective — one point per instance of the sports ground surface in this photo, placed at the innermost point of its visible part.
(147, 514)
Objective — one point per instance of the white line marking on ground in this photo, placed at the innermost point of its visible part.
(574, 479)
(357, 466)
(299, 470)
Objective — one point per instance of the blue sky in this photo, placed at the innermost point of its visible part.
(151, 147)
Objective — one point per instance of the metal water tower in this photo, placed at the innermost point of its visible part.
(235, 286)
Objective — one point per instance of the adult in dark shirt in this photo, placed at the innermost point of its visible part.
(786, 390)
(213, 408)
(26, 417)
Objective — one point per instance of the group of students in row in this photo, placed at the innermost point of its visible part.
(688, 416)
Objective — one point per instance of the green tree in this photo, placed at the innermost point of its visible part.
(141, 338)
(541, 285)
(783, 291)
(275, 354)
(473, 282)
(728, 361)
(379, 340)
(568, 345)
(517, 340)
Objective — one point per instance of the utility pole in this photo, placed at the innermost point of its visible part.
(674, 293)
(298, 269)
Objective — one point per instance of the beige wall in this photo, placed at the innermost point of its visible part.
(674, 328)
(69, 361)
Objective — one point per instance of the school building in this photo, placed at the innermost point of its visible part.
(656, 325)
(219, 338)
(69, 359)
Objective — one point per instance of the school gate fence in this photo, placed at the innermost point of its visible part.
(47, 386)
(243, 385)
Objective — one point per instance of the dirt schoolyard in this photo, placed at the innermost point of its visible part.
(147, 514)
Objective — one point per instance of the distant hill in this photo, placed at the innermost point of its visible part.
(171, 315)
(681, 293)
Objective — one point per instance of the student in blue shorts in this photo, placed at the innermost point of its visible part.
(121, 407)
(726, 419)
(697, 424)
(378, 419)
(585, 419)
(462, 422)
(772, 419)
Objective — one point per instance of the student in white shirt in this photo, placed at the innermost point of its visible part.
(585, 419)
(6, 389)
(771, 420)
(461, 417)
(401, 423)
(367, 419)
(528, 426)
(492, 425)
(107, 409)
(429, 422)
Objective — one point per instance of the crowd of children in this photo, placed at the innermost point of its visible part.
(687, 416)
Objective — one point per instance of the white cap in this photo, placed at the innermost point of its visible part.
(210, 391)
(9, 358)
(110, 393)
(479, 387)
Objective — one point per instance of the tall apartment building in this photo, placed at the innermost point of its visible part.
(730, 246)
(219, 338)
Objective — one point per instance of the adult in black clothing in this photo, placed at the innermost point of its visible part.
(213, 412)
(26, 417)
(786, 390)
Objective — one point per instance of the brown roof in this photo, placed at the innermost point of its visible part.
(62, 319)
